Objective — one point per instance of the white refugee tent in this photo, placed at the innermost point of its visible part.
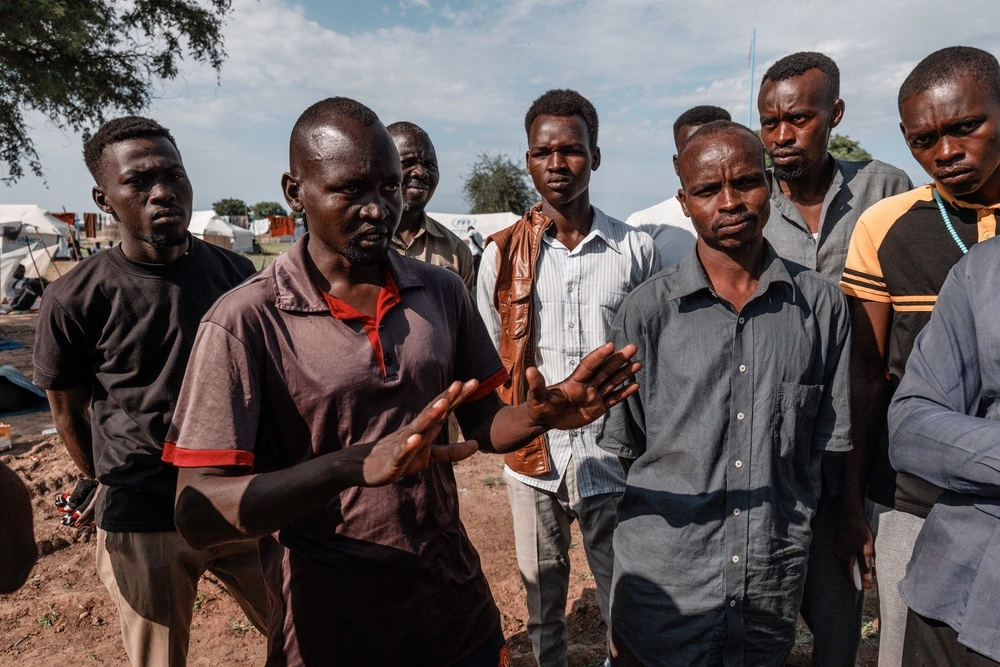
(26, 224)
(485, 223)
(209, 227)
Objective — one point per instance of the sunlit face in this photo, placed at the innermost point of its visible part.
(560, 158)
(724, 189)
(347, 180)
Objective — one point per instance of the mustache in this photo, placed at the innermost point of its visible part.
(735, 219)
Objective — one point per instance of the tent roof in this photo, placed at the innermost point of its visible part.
(35, 217)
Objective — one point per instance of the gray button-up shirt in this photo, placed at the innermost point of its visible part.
(855, 187)
(726, 432)
(944, 426)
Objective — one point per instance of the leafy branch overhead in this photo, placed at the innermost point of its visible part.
(79, 62)
(497, 185)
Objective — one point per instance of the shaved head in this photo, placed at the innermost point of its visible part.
(720, 128)
(320, 130)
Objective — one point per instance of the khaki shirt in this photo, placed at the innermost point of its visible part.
(436, 244)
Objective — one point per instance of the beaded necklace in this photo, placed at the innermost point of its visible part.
(947, 223)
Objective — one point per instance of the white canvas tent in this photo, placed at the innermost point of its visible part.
(208, 226)
(485, 223)
(10, 260)
(26, 224)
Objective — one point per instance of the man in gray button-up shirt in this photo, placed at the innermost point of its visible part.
(816, 201)
(944, 428)
(744, 385)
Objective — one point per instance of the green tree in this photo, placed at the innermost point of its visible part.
(230, 207)
(262, 209)
(497, 185)
(76, 62)
(845, 148)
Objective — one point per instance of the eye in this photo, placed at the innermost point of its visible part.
(391, 187)
(350, 189)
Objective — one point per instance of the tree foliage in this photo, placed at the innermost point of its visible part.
(262, 209)
(79, 61)
(497, 185)
(845, 148)
(230, 207)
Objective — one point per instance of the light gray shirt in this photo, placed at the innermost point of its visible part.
(672, 231)
(855, 187)
(726, 432)
(576, 295)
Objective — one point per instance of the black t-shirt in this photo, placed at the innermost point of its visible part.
(126, 329)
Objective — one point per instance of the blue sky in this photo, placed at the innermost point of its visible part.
(467, 72)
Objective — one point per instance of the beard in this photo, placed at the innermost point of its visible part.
(157, 241)
(794, 173)
(364, 256)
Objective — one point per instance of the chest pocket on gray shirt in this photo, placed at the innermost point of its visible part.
(795, 409)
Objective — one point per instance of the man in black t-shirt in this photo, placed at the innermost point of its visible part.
(113, 340)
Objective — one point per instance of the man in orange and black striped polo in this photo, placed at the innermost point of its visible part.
(901, 252)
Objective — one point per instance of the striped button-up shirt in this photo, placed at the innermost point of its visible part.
(577, 294)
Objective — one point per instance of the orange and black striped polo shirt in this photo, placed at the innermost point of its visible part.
(900, 253)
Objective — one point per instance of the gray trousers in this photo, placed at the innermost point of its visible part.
(831, 606)
(541, 538)
(896, 533)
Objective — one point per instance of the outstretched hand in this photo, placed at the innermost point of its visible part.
(409, 450)
(589, 392)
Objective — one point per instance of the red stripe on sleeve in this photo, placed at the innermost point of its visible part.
(205, 458)
(488, 385)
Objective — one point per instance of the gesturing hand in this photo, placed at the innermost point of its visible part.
(590, 391)
(409, 450)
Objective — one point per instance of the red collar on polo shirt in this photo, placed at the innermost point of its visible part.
(388, 298)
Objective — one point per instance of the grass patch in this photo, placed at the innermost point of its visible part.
(200, 600)
(242, 626)
(493, 482)
(271, 252)
(49, 618)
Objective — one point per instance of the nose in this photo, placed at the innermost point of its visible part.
(372, 210)
(418, 171)
(729, 199)
(556, 161)
(161, 192)
(783, 135)
(949, 150)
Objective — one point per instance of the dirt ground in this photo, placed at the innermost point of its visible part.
(63, 615)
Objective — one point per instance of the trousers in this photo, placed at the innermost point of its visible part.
(542, 523)
(153, 581)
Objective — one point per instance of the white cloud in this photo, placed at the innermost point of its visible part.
(470, 76)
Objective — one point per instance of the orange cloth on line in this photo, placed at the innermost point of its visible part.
(282, 225)
(90, 225)
(68, 218)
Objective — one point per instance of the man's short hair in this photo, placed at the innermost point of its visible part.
(117, 130)
(343, 107)
(564, 103)
(717, 127)
(949, 64)
(405, 127)
(700, 115)
(799, 63)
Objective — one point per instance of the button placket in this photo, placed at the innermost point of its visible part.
(738, 444)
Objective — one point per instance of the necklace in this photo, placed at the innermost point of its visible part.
(947, 223)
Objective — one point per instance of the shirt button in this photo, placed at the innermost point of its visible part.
(736, 559)
(739, 464)
(741, 320)
(387, 360)
(571, 325)
(736, 512)
(572, 434)
(732, 603)
(572, 362)
(743, 368)
(569, 289)
(740, 415)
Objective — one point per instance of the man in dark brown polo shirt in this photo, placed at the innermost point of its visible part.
(302, 421)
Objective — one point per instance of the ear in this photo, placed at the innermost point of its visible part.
(527, 161)
(838, 113)
(102, 201)
(677, 169)
(595, 158)
(682, 200)
(903, 130)
(290, 188)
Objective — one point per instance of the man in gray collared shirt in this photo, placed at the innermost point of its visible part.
(816, 201)
(744, 386)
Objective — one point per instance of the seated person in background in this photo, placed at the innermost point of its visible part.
(744, 387)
